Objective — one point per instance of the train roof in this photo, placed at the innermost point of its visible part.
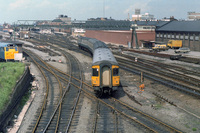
(103, 55)
(91, 43)
(5, 44)
(99, 44)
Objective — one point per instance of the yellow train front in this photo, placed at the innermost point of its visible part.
(8, 51)
(105, 71)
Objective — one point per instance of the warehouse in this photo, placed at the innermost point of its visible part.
(187, 31)
(119, 32)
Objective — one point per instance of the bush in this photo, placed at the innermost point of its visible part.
(194, 129)
(10, 72)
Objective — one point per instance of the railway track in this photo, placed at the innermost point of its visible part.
(163, 74)
(43, 115)
(113, 107)
(49, 121)
(184, 59)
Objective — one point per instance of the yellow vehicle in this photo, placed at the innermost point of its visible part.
(8, 51)
(175, 43)
(159, 47)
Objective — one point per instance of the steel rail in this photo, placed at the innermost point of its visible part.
(158, 74)
(46, 95)
(171, 74)
(74, 108)
(186, 88)
(123, 104)
(110, 106)
(133, 109)
(96, 118)
(78, 97)
(94, 96)
(61, 98)
(60, 88)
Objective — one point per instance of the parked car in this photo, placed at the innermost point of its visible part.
(175, 57)
(182, 50)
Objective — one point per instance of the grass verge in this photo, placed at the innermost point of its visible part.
(10, 72)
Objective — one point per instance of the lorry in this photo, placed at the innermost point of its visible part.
(175, 44)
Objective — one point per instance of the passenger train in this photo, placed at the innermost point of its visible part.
(105, 69)
(8, 51)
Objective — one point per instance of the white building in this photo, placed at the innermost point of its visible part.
(193, 16)
(143, 17)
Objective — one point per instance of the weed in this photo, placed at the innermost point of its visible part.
(194, 129)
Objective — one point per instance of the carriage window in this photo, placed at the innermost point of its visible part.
(115, 71)
(95, 72)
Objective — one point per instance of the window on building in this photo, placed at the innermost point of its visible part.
(157, 35)
(186, 37)
(161, 35)
(172, 36)
(168, 36)
(177, 36)
(191, 37)
(181, 37)
(196, 38)
(165, 35)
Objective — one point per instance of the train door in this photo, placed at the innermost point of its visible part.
(106, 76)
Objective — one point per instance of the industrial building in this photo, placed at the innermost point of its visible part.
(193, 16)
(142, 17)
(120, 32)
(187, 31)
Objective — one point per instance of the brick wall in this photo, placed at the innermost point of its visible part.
(120, 37)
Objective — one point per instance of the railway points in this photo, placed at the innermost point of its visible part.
(150, 104)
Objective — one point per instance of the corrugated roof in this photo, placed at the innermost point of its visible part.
(181, 26)
(119, 24)
(149, 23)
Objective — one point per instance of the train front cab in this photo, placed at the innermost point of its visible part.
(105, 78)
(10, 52)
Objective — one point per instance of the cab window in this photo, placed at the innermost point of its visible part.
(115, 71)
(7, 49)
(15, 48)
(95, 72)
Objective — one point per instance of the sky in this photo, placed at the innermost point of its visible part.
(13, 10)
